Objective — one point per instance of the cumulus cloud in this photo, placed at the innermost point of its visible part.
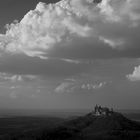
(64, 87)
(93, 86)
(9, 77)
(72, 61)
(112, 42)
(74, 87)
(16, 78)
(47, 26)
(135, 76)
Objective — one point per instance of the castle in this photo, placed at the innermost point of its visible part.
(98, 111)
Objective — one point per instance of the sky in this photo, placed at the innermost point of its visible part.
(69, 54)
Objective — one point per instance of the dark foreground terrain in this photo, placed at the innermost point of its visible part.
(87, 127)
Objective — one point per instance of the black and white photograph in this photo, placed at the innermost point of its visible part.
(69, 69)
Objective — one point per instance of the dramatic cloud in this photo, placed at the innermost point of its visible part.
(135, 76)
(69, 23)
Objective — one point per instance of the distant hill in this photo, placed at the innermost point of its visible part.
(92, 127)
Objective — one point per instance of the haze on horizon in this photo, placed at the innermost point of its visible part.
(69, 54)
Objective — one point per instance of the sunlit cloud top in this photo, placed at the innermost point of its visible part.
(50, 27)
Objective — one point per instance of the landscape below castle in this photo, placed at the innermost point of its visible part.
(100, 124)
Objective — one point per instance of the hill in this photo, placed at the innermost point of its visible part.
(100, 124)
(113, 126)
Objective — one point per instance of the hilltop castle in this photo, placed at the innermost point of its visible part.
(98, 111)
